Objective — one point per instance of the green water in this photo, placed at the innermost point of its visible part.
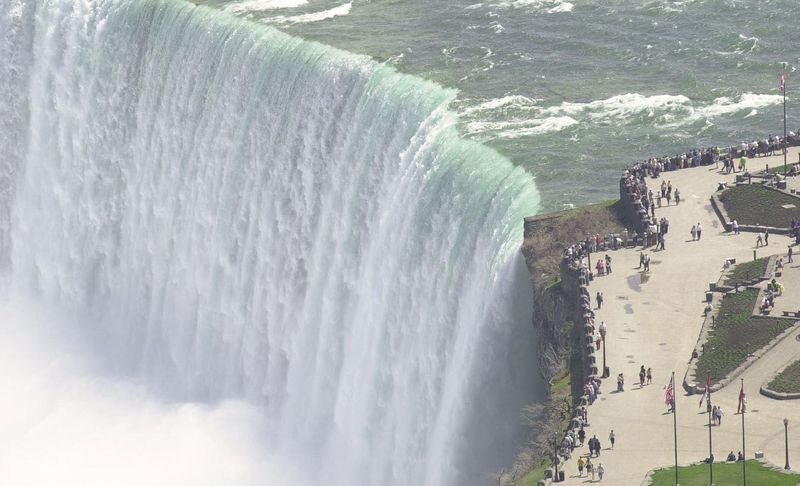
(572, 91)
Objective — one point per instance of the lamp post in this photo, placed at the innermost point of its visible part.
(786, 437)
(603, 335)
(710, 454)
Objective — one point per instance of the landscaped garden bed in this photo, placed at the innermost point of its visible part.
(735, 333)
(753, 204)
(725, 474)
(743, 272)
(788, 380)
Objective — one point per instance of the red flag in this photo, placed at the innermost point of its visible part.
(706, 392)
(783, 80)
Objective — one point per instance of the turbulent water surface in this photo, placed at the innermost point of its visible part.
(573, 90)
(231, 256)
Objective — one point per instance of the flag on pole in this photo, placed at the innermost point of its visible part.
(740, 407)
(783, 80)
(669, 395)
(706, 392)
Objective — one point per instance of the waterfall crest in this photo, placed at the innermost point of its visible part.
(244, 214)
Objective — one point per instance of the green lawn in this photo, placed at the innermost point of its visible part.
(788, 381)
(725, 475)
(778, 169)
(753, 204)
(735, 327)
(744, 271)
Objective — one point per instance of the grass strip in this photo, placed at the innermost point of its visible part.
(788, 380)
(735, 333)
(753, 204)
(745, 271)
(725, 474)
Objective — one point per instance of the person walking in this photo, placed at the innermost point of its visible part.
(719, 415)
(612, 437)
(735, 227)
(581, 435)
(649, 376)
(766, 237)
(590, 469)
(790, 254)
(599, 298)
(580, 466)
(759, 241)
(600, 471)
(699, 231)
(693, 231)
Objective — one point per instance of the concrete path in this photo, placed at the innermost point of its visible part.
(654, 320)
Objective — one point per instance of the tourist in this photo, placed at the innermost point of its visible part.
(600, 471)
(699, 230)
(714, 414)
(642, 376)
(735, 227)
(580, 466)
(641, 257)
(612, 437)
(731, 457)
(608, 263)
(790, 254)
(719, 415)
(740, 457)
(766, 237)
(590, 468)
(647, 263)
(599, 299)
(760, 240)
(693, 231)
(620, 383)
(649, 376)
(677, 197)
(581, 435)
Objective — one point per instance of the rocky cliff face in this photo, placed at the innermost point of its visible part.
(556, 287)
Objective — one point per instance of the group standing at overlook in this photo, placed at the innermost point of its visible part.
(644, 203)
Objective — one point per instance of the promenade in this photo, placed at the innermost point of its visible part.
(654, 320)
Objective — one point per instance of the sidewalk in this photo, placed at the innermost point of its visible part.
(654, 320)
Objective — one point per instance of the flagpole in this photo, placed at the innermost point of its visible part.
(675, 427)
(783, 83)
(744, 451)
(710, 453)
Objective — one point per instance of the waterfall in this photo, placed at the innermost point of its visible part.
(236, 213)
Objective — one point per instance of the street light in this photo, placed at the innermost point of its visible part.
(603, 335)
(786, 436)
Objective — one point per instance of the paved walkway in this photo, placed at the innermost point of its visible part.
(654, 320)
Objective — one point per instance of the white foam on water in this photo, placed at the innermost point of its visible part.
(288, 241)
(521, 128)
(549, 6)
(748, 101)
(339, 11)
(263, 5)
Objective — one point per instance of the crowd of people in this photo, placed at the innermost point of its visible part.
(641, 204)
